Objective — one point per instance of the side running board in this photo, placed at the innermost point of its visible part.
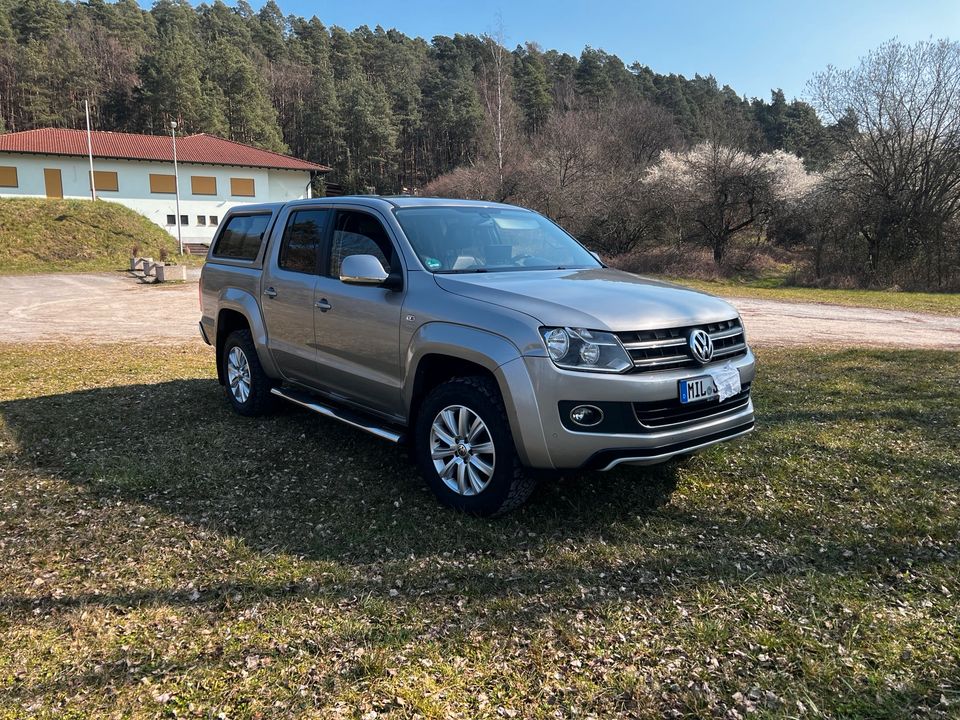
(345, 416)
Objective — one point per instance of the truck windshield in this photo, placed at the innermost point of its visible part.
(481, 239)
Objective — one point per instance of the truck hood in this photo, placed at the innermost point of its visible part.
(596, 299)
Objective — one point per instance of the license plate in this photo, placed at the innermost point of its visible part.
(697, 389)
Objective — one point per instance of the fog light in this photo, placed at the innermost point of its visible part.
(586, 415)
(590, 353)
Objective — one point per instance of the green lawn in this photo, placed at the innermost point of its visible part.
(162, 556)
(773, 289)
(41, 236)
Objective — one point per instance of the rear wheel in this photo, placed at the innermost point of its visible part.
(246, 384)
(465, 450)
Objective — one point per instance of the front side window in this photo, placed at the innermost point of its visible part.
(359, 233)
(302, 239)
(464, 239)
(242, 236)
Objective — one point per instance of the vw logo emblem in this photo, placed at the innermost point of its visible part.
(701, 346)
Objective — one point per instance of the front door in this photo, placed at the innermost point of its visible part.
(287, 295)
(53, 182)
(358, 326)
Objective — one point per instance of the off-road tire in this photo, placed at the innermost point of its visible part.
(259, 401)
(511, 483)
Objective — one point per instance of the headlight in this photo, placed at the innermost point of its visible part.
(581, 349)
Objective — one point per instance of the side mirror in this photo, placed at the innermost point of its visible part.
(362, 270)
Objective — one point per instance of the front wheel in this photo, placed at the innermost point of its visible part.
(465, 450)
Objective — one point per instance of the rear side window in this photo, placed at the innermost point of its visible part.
(242, 236)
(302, 239)
(358, 233)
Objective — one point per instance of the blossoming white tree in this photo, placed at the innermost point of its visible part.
(715, 191)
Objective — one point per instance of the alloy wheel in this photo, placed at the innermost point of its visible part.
(462, 450)
(238, 374)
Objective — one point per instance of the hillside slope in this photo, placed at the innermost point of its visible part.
(39, 235)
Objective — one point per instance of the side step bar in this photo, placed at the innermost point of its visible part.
(345, 416)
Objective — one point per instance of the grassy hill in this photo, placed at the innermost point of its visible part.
(39, 235)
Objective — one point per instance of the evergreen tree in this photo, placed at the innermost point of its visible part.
(233, 84)
(531, 87)
(171, 87)
(592, 79)
(452, 112)
(318, 129)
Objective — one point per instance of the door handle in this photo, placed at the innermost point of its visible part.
(323, 305)
(270, 292)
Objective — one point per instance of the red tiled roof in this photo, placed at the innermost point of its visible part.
(201, 149)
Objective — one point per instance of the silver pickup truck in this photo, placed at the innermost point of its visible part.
(482, 334)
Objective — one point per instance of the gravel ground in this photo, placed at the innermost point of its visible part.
(111, 307)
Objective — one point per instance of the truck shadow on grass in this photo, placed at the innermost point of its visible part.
(290, 481)
(309, 487)
(293, 512)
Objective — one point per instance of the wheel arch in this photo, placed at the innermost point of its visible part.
(441, 351)
(239, 310)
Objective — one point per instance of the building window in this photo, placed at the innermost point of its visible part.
(201, 220)
(8, 177)
(214, 220)
(184, 219)
(203, 185)
(243, 187)
(163, 184)
(171, 219)
(105, 181)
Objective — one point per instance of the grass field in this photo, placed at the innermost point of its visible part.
(164, 557)
(774, 289)
(41, 236)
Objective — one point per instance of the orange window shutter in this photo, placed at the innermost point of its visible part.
(162, 183)
(8, 177)
(106, 181)
(243, 187)
(203, 185)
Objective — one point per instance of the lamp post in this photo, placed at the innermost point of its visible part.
(93, 182)
(176, 181)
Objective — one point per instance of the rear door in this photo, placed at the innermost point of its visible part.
(358, 326)
(290, 275)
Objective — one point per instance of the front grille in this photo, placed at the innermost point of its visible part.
(668, 349)
(668, 413)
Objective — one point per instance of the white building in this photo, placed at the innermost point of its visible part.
(137, 171)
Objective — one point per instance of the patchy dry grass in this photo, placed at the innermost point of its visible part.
(162, 556)
(774, 289)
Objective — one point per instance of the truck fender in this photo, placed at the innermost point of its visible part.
(246, 304)
(502, 359)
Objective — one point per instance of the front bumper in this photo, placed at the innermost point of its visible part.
(535, 388)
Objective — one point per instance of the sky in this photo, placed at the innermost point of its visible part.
(751, 45)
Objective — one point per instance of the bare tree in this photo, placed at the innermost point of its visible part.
(901, 163)
(495, 89)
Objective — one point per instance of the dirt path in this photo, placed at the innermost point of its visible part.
(113, 307)
(96, 307)
(777, 323)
